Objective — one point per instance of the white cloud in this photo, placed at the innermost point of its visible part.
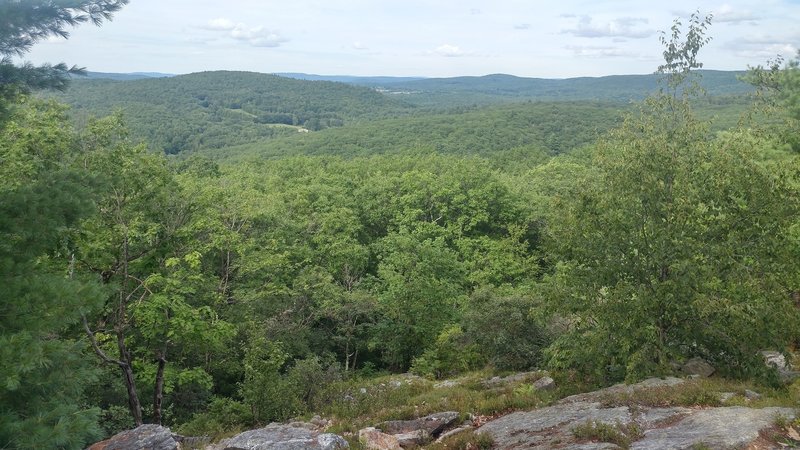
(255, 36)
(727, 14)
(764, 46)
(625, 27)
(522, 26)
(358, 45)
(450, 51)
(220, 24)
(592, 51)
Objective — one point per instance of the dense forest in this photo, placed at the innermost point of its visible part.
(262, 272)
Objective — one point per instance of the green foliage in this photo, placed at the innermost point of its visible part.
(673, 242)
(221, 417)
(220, 109)
(265, 390)
(468, 440)
(449, 355)
(42, 370)
(503, 331)
(620, 434)
(778, 98)
(22, 24)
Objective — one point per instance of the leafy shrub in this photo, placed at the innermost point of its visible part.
(224, 416)
(269, 394)
(503, 330)
(450, 355)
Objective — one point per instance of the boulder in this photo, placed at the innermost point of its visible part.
(432, 424)
(515, 378)
(659, 428)
(413, 438)
(282, 437)
(775, 359)
(373, 439)
(544, 384)
(454, 432)
(751, 395)
(698, 366)
(148, 436)
(715, 428)
(624, 389)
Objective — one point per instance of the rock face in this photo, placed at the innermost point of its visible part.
(698, 366)
(373, 439)
(397, 434)
(432, 424)
(716, 428)
(544, 384)
(647, 428)
(148, 436)
(774, 359)
(282, 437)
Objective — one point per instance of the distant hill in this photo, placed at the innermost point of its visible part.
(504, 88)
(359, 81)
(217, 109)
(212, 110)
(508, 131)
(124, 76)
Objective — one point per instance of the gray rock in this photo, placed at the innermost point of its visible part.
(716, 428)
(775, 359)
(148, 436)
(656, 417)
(373, 439)
(413, 438)
(547, 427)
(282, 437)
(454, 432)
(593, 446)
(515, 378)
(433, 424)
(624, 389)
(751, 395)
(446, 384)
(698, 366)
(725, 396)
(544, 384)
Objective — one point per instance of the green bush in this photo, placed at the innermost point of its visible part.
(223, 417)
(450, 355)
(503, 331)
(270, 395)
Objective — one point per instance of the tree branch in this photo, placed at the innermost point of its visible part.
(96, 346)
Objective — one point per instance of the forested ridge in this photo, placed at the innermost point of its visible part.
(232, 285)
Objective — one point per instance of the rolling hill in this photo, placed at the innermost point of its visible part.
(218, 109)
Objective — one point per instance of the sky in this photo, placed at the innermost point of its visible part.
(442, 38)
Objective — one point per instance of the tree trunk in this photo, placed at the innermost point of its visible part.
(130, 381)
(133, 397)
(158, 395)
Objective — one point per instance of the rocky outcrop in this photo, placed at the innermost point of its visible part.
(715, 428)
(396, 434)
(432, 424)
(373, 439)
(148, 436)
(515, 378)
(699, 367)
(641, 427)
(283, 437)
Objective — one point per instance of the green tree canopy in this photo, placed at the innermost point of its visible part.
(23, 23)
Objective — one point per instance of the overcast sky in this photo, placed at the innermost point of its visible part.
(441, 38)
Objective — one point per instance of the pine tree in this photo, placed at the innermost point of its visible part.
(42, 371)
(26, 22)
